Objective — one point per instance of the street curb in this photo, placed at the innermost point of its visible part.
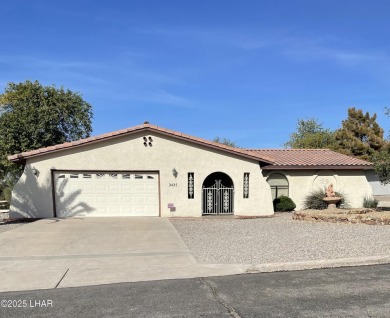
(173, 272)
(316, 264)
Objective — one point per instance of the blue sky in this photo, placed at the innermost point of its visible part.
(244, 70)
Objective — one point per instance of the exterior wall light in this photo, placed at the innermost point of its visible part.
(174, 172)
(35, 171)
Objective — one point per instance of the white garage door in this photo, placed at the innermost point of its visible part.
(106, 194)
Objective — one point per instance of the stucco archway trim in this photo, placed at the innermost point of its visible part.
(286, 175)
(324, 178)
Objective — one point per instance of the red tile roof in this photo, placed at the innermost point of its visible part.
(310, 158)
(21, 157)
(270, 158)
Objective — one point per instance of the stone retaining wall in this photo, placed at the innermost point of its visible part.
(363, 216)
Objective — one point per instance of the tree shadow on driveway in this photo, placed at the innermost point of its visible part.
(27, 199)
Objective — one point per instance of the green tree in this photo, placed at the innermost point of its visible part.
(311, 134)
(225, 141)
(34, 116)
(382, 160)
(6, 186)
(360, 135)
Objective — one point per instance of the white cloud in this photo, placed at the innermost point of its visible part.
(317, 48)
(158, 96)
(121, 78)
(229, 37)
(312, 46)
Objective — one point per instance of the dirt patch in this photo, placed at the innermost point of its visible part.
(366, 216)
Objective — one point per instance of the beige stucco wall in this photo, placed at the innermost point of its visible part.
(352, 183)
(32, 196)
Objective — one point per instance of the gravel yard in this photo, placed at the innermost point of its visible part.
(8, 226)
(279, 239)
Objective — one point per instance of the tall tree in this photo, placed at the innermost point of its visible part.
(310, 134)
(360, 135)
(34, 116)
(382, 159)
(225, 141)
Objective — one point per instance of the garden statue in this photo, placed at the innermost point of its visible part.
(331, 199)
(329, 191)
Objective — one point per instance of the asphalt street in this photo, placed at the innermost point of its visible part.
(341, 292)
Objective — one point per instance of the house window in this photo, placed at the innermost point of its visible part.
(279, 185)
(246, 185)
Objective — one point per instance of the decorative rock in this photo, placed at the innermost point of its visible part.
(349, 216)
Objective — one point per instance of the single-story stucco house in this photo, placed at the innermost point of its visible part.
(152, 171)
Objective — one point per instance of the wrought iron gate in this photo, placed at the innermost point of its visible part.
(218, 199)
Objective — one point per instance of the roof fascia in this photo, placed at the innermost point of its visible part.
(356, 167)
(21, 159)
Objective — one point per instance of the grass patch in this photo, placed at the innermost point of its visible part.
(370, 202)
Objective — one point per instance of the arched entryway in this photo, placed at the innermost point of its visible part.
(218, 194)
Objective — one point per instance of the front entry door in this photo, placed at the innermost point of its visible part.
(218, 199)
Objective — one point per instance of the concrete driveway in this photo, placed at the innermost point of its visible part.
(55, 253)
(71, 252)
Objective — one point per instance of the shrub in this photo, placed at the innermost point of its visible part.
(6, 187)
(314, 201)
(284, 204)
(370, 202)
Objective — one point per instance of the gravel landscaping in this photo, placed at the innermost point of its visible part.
(279, 239)
(6, 226)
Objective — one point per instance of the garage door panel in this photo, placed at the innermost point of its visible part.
(89, 198)
(106, 194)
(113, 188)
(114, 200)
(150, 200)
(139, 188)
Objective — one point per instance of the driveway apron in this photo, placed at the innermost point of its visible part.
(53, 253)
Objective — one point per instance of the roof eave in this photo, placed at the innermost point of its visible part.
(21, 159)
(214, 146)
(318, 167)
(17, 159)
